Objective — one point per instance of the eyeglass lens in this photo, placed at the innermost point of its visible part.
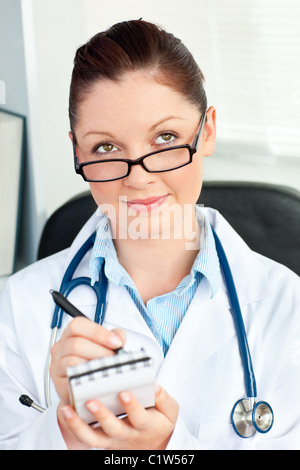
(162, 161)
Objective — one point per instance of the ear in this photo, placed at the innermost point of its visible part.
(209, 133)
(73, 140)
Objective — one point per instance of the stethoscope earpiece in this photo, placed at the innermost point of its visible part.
(248, 417)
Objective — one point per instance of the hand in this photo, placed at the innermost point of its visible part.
(81, 341)
(141, 429)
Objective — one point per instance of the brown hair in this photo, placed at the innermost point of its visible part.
(131, 46)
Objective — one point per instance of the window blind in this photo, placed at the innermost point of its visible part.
(249, 52)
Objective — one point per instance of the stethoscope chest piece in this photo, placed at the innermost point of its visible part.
(247, 417)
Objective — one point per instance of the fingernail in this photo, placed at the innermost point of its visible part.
(125, 397)
(157, 388)
(92, 406)
(67, 412)
(115, 341)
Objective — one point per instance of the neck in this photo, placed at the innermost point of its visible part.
(157, 265)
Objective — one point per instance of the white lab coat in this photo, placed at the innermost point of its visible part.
(202, 369)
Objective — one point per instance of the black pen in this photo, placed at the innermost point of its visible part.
(69, 308)
(64, 303)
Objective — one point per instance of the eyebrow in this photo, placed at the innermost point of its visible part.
(108, 134)
(168, 118)
(152, 128)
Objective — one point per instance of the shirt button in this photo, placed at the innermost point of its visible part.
(160, 300)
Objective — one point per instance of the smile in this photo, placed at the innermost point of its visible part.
(146, 205)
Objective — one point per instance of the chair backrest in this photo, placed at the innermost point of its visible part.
(65, 223)
(266, 216)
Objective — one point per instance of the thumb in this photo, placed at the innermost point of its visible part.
(166, 404)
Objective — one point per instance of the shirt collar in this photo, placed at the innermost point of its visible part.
(103, 249)
(206, 262)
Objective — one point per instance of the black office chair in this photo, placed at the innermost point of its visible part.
(65, 223)
(266, 216)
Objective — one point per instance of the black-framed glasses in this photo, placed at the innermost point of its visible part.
(172, 158)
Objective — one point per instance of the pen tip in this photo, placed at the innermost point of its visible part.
(51, 291)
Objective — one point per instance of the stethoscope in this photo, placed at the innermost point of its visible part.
(247, 416)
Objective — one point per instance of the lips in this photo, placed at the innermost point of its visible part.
(143, 205)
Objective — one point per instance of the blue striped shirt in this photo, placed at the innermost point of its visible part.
(162, 314)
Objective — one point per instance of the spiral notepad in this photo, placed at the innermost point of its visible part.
(104, 378)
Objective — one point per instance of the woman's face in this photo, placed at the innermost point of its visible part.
(128, 119)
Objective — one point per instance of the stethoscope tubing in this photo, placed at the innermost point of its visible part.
(100, 288)
(249, 377)
(66, 287)
(68, 283)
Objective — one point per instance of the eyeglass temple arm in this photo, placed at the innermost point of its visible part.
(198, 135)
(76, 160)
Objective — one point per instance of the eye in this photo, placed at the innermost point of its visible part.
(105, 147)
(165, 138)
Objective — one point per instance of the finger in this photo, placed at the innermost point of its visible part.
(73, 351)
(84, 348)
(58, 375)
(136, 414)
(94, 438)
(166, 404)
(59, 365)
(110, 424)
(84, 327)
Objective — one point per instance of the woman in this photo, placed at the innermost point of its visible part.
(137, 92)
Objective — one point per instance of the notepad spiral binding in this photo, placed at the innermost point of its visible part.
(104, 378)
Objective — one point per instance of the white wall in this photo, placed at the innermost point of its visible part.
(54, 29)
(13, 75)
(62, 25)
(42, 36)
(196, 22)
(14, 96)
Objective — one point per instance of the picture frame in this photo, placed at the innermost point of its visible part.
(12, 150)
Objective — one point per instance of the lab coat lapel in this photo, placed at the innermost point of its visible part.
(208, 323)
(90, 226)
(123, 313)
(246, 266)
(209, 320)
(206, 326)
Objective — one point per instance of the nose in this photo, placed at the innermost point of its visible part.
(139, 178)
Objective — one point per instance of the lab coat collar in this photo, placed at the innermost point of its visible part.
(212, 326)
(247, 269)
